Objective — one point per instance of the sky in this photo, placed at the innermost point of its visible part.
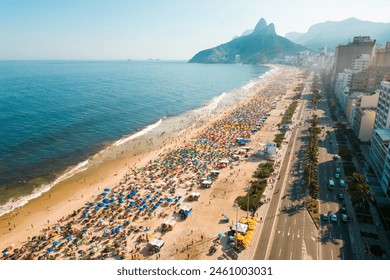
(158, 29)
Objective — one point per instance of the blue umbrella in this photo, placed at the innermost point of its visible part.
(84, 232)
(69, 238)
(152, 210)
(120, 200)
(55, 243)
(113, 231)
(148, 196)
(97, 208)
(84, 216)
(129, 196)
(50, 250)
(101, 204)
(127, 223)
(112, 199)
(106, 200)
(88, 211)
(103, 194)
(169, 199)
(132, 203)
(107, 206)
(106, 189)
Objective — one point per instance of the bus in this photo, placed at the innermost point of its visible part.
(331, 184)
(342, 183)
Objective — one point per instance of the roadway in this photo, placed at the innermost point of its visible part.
(289, 232)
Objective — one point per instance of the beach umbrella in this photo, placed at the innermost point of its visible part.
(55, 243)
(170, 199)
(97, 208)
(84, 232)
(106, 200)
(106, 189)
(106, 231)
(255, 219)
(104, 194)
(129, 196)
(101, 204)
(112, 199)
(50, 250)
(127, 223)
(88, 211)
(243, 220)
(249, 232)
(220, 235)
(84, 216)
(120, 200)
(252, 227)
(245, 242)
(69, 238)
(132, 203)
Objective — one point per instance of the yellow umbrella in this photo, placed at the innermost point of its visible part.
(249, 220)
(245, 242)
(150, 235)
(255, 219)
(243, 220)
(249, 232)
(240, 237)
(249, 237)
(252, 223)
(252, 227)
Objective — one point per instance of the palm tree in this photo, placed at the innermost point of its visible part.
(359, 190)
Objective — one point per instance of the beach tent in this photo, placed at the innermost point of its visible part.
(168, 224)
(239, 227)
(207, 183)
(156, 244)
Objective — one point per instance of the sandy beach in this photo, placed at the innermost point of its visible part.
(118, 205)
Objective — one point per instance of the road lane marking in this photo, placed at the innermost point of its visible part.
(285, 220)
(298, 233)
(288, 233)
(291, 255)
(331, 251)
(293, 236)
(283, 234)
(295, 221)
(280, 251)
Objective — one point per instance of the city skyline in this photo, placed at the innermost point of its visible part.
(152, 29)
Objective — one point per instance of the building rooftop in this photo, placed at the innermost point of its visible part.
(383, 133)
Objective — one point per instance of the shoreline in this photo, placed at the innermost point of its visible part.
(127, 142)
(74, 192)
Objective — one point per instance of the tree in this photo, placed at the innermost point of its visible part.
(359, 190)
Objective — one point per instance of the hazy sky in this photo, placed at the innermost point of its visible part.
(165, 29)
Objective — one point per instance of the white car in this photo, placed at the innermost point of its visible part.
(344, 218)
(337, 175)
(325, 217)
(338, 170)
(333, 218)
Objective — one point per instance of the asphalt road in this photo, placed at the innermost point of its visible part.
(288, 232)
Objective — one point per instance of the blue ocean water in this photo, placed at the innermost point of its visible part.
(54, 114)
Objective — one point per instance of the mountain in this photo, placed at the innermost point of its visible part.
(260, 46)
(332, 33)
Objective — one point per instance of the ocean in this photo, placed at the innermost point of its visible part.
(55, 115)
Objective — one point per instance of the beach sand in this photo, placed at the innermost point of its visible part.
(190, 238)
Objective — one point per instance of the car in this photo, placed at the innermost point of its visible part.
(325, 217)
(337, 175)
(341, 196)
(344, 218)
(330, 141)
(336, 157)
(343, 210)
(333, 218)
(338, 170)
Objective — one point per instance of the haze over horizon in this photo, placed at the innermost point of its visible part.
(174, 29)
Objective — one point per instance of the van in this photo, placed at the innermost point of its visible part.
(342, 183)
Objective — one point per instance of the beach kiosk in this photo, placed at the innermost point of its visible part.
(185, 211)
(223, 163)
(206, 184)
(156, 245)
(168, 225)
(194, 196)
